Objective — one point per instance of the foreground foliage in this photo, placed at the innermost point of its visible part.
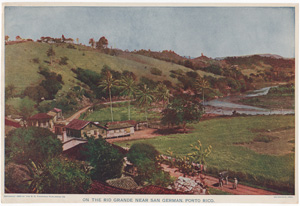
(106, 161)
(145, 158)
(33, 143)
(60, 176)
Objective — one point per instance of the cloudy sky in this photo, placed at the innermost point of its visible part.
(189, 31)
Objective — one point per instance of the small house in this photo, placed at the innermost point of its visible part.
(120, 129)
(41, 120)
(78, 128)
(56, 113)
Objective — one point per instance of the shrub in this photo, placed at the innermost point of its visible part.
(32, 143)
(155, 71)
(63, 61)
(36, 60)
(59, 176)
(146, 158)
(142, 151)
(106, 161)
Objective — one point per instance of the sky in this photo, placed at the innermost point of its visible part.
(189, 31)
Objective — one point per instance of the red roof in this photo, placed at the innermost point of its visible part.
(152, 189)
(12, 123)
(56, 110)
(77, 124)
(103, 188)
(40, 116)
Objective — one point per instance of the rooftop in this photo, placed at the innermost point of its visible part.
(56, 110)
(40, 116)
(120, 124)
(12, 123)
(77, 124)
(126, 183)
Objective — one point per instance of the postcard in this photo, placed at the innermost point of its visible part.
(149, 103)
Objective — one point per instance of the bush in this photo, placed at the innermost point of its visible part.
(63, 61)
(146, 158)
(32, 143)
(36, 60)
(155, 71)
(142, 151)
(59, 176)
(106, 161)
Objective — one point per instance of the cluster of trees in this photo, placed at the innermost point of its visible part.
(112, 84)
(34, 163)
(149, 172)
(48, 87)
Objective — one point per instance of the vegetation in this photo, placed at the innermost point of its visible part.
(144, 98)
(32, 143)
(155, 71)
(60, 176)
(181, 110)
(106, 161)
(230, 138)
(107, 83)
(101, 113)
(281, 97)
(145, 158)
(129, 89)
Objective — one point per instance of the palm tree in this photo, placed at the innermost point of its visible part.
(144, 98)
(162, 93)
(107, 83)
(203, 84)
(128, 87)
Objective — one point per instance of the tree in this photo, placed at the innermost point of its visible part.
(128, 88)
(162, 93)
(107, 83)
(10, 91)
(32, 143)
(92, 42)
(102, 43)
(26, 108)
(37, 93)
(203, 84)
(145, 158)
(52, 86)
(106, 161)
(182, 109)
(6, 37)
(59, 176)
(51, 54)
(145, 98)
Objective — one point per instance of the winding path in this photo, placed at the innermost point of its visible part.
(77, 114)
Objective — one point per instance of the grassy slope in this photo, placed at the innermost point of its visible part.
(22, 72)
(222, 133)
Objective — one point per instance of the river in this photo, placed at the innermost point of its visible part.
(224, 106)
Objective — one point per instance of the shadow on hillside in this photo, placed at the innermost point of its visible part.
(174, 130)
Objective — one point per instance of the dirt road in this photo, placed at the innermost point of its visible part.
(78, 113)
(213, 183)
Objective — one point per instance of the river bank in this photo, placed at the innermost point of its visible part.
(236, 103)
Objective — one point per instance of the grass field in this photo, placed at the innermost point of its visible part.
(228, 137)
(120, 113)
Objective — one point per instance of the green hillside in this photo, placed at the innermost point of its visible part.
(22, 71)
